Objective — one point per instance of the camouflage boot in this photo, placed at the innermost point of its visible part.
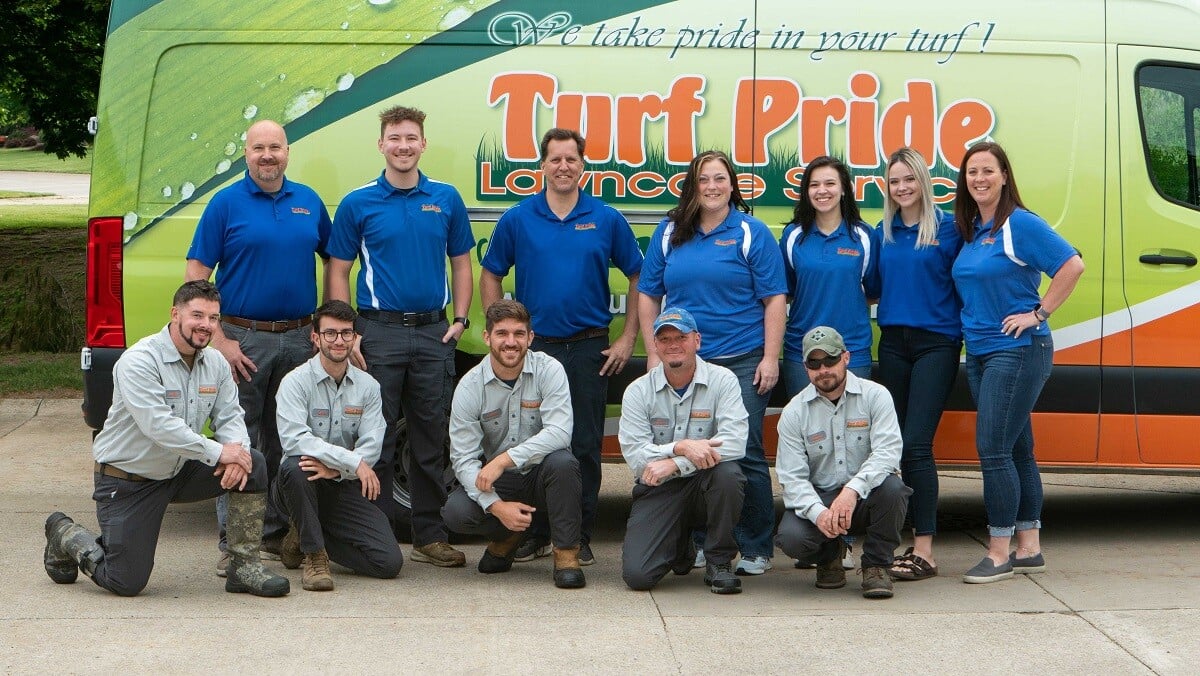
(69, 549)
(244, 532)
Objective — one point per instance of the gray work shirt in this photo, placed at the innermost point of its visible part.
(654, 417)
(854, 443)
(339, 424)
(530, 420)
(160, 406)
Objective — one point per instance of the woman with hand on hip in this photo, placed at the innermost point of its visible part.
(1009, 349)
(721, 264)
(920, 337)
(828, 255)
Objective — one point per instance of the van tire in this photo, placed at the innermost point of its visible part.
(402, 524)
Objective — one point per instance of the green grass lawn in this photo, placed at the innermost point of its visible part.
(13, 216)
(24, 159)
(6, 194)
(36, 375)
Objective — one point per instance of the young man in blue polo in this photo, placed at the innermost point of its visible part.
(260, 234)
(563, 235)
(403, 226)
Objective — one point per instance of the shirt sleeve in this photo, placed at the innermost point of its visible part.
(208, 242)
(557, 421)
(145, 398)
(766, 263)
(460, 239)
(634, 433)
(346, 231)
(466, 439)
(295, 435)
(499, 257)
(789, 272)
(871, 278)
(651, 280)
(886, 443)
(731, 421)
(227, 419)
(791, 465)
(625, 251)
(369, 444)
(324, 228)
(1036, 243)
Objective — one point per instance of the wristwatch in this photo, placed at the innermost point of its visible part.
(464, 321)
(1041, 314)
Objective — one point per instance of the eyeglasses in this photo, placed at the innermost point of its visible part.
(331, 335)
(827, 362)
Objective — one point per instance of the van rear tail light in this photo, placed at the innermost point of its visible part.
(105, 307)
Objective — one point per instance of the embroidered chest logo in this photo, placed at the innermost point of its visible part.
(320, 413)
(301, 210)
(848, 251)
(859, 423)
(702, 414)
(725, 242)
(987, 241)
(353, 410)
(207, 389)
(659, 422)
(431, 207)
(585, 226)
(531, 403)
(490, 415)
(816, 437)
(174, 394)
(936, 242)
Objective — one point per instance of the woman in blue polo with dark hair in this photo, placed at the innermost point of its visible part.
(721, 264)
(920, 337)
(1009, 349)
(829, 253)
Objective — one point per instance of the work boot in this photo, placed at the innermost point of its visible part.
(567, 573)
(243, 529)
(720, 579)
(289, 548)
(316, 576)
(440, 554)
(69, 548)
(498, 557)
(876, 583)
(830, 574)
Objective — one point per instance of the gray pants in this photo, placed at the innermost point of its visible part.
(334, 516)
(130, 514)
(880, 517)
(415, 370)
(551, 486)
(275, 355)
(662, 517)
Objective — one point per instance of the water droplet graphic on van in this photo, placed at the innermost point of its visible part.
(250, 111)
(193, 136)
(344, 81)
(230, 148)
(380, 3)
(455, 17)
(186, 190)
(345, 25)
(223, 166)
(130, 220)
(305, 101)
(166, 191)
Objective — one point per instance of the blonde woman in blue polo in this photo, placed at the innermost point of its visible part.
(1009, 349)
(711, 257)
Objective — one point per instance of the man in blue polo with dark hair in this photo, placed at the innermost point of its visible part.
(403, 226)
(260, 234)
(562, 242)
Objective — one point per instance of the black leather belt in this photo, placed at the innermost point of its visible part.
(279, 326)
(405, 318)
(582, 335)
(116, 473)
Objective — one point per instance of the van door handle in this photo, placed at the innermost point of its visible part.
(1187, 260)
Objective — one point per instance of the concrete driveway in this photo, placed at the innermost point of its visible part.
(64, 188)
(1121, 596)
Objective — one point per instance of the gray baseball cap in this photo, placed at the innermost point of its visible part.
(824, 338)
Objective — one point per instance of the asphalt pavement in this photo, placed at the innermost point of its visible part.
(1121, 595)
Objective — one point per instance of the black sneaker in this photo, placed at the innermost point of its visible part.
(585, 554)
(720, 579)
(534, 547)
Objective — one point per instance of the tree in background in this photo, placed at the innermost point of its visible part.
(50, 66)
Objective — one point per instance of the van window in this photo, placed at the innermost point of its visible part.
(1169, 109)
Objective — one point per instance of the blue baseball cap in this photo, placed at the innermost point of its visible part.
(677, 317)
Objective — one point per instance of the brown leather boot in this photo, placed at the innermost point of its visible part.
(567, 573)
(498, 557)
(316, 576)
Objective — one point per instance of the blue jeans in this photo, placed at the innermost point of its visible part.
(753, 531)
(795, 376)
(918, 367)
(1005, 386)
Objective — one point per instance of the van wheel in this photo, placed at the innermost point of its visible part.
(402, 526)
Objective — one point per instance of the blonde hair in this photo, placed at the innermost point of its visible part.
(927, 225)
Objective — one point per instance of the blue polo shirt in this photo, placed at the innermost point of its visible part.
(825, 278)
(563, 264)
(402, 238)
(721, 278)
(998, 275)
(262, 246)
(916, 288)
